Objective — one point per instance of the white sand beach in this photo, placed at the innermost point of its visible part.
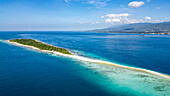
(93, 60)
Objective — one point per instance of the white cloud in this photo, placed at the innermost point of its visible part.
(117, 15)
(95, 22)
(158, 8)
(102, 16)
(148, 0)
(116, 18)
(67, 1)
(98, 3)
(136, 4)
(126, 18)
(109, 20)
(148, 18)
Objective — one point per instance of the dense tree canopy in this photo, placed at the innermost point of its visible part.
(40, 45)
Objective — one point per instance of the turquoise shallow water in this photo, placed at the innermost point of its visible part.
(26, 72)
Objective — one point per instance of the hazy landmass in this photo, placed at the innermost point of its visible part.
(159, 28)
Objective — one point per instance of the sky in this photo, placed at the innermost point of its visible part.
(75, 15)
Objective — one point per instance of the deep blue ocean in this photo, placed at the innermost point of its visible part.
(26, 72)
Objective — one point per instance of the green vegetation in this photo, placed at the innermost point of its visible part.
(40, 45)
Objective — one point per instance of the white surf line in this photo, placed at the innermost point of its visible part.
(93, 60)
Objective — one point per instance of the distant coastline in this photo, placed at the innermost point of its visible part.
(91, 60)
(156, 33)
(162, 28)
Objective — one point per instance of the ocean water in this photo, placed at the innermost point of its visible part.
(26, 72)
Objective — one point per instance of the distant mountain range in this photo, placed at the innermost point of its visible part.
(138, 28)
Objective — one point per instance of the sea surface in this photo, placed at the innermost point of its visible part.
(27, 72)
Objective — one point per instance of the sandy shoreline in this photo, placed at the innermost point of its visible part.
(93, 60)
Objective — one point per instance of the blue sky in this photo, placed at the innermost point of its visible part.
(57, 15)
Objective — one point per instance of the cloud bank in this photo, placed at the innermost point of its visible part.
(126, 18)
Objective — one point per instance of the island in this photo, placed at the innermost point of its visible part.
(43, 47)
(40, 45)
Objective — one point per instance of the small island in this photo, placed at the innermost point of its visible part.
(40, 45)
